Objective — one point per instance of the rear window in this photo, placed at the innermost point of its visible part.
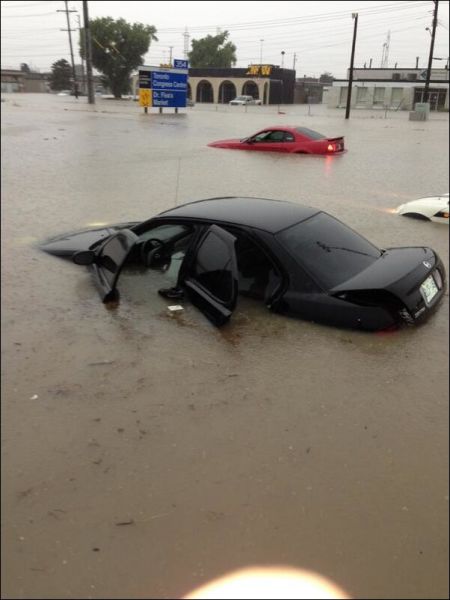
(328, 249)
(314, 135)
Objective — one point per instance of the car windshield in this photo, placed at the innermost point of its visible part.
(313, 135)
(328, 249)
(241, 98)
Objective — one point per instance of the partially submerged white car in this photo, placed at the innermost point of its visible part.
(243, 100)
(431, 208)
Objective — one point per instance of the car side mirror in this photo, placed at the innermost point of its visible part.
(84, 257)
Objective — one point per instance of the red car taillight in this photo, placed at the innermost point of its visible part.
(331, 148)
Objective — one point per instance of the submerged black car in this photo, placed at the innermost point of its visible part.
(298, 260)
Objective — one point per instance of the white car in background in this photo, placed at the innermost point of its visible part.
(243, 100)
(431, 208)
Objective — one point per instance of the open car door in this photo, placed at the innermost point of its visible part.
(107, 261)
(210, 275)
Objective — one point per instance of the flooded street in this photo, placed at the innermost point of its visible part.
(144, 454)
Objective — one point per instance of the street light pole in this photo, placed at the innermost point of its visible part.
(282, 58)
(260, 52)
(430, 58)
(350, 79)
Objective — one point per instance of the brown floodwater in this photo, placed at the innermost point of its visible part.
(144, 454)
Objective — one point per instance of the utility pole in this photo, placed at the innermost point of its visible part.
(295, 60)
(83, 78)
(170, 55)
(385, 54)
(88, 51)
(350, 79)
(186, 42)
(430, 58)
(67, 11)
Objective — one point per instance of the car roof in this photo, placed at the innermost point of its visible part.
(259, 213)
(293, 129)
(280, 127)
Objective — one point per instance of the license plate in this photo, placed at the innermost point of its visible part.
(429, 289)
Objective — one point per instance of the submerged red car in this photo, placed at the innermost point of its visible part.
(296, 140)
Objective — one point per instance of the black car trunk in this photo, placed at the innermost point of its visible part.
(398, 273)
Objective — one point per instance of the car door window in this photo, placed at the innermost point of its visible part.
(109, 260)
(164, 232)
(163, 248)
(209, 275)
(111, 257)
(178, 251)
(288, 137)
(213, 268)
(276, 136)
(261, 137)
(259, 278)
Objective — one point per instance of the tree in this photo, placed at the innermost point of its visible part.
(326, 78)
(118, 49)
(25, 68)
(212, 51)
(61, 75)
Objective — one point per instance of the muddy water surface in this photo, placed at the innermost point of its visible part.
(145, 454)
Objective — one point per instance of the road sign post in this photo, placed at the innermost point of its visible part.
(160, 87)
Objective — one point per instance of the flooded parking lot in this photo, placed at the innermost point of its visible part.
(145, 454)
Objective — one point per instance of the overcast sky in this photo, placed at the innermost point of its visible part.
(319, 34)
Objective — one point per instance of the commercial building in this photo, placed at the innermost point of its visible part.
(268, 83)
(397, 89)
(13, 80)
(308, 90)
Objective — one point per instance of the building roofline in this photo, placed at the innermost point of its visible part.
(398, 69)
(415, 81)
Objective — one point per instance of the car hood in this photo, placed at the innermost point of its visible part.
(398, 270)
(66, 244)
(225, 143)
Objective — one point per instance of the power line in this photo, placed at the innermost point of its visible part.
(33, 4)
(323, 35)
(338, 35)
(27, 16)
(35, 55)
(392, 13)
(306, 19)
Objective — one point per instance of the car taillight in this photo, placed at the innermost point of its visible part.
(331, 147)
